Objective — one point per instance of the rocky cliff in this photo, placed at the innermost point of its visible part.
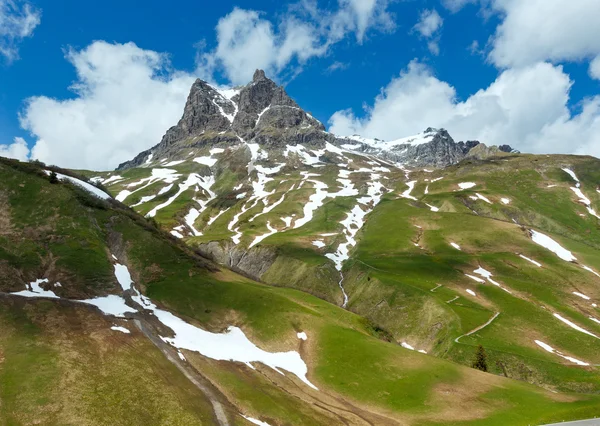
(262, 112)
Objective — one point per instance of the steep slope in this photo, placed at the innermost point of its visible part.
(428, 256)
(63, 250)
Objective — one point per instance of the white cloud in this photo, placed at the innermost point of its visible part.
(532, 31)
(18, 19)
(429, 22)
(456, 5)
(337, 66)
(18, 149)
(595, 68)
(246, 40)
(525, 108)
(429, 27)
(539, 30)
(126, 98)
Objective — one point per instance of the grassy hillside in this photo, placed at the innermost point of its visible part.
(62, 233)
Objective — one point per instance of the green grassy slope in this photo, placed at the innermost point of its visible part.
(359, 375)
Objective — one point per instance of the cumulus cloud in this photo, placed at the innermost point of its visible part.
(595, 68)
(429, 27)
(525, 108)
(554, 30)
(429, 22)
(125, 99)
(18, 19)
(540, 30)
(247, 40)
(18, 149)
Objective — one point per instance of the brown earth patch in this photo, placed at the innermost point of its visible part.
(5, 215)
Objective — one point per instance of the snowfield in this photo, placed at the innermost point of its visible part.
(547, 242)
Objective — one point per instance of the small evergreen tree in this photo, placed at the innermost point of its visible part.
(53, 178)
(480, 361)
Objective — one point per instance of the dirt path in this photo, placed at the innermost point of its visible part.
(188, 371)
(475, 330)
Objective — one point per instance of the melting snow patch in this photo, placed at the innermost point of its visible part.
(262, 237)
(595, 320)
(547, 242)
(302, 335)
(230, 346)
(471, 292)
(112, 179)
(538, 264)
(505, 200)
(193, 180)
(587, 268)
(573, 175)
(36, 291)
(407, 346)
(575, 326)
(550, 349)
(318, 243)
(190, 219)
(583, 296)
(255, 421)
(207, 161)
(110, 305)
(479, 280)
(176, 234)
(88, 187)
(123, 276)
(432, 208)
(406, 194)
(181, 356)
(121, 329)
(212, 219)
(466, 185)
(481, 197)
(456, 246)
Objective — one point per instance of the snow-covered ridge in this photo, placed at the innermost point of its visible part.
(415, 140)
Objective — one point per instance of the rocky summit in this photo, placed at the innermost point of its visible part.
(262, 112)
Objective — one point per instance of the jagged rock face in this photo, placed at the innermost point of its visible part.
(258, 112)
(262, 112)
(432, 148)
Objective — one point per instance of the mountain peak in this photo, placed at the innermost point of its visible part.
(259, 75)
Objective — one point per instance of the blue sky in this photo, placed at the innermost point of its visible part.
(493, 70)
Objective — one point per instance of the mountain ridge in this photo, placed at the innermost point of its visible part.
(262, 112)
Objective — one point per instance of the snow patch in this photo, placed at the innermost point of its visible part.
(121, 329)
(466, 185)
(547, 242)
(88, 187)
(538, 264)
(583, 296)
(575, 326)
(550, 349)
(35, 290)
(255, 421)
